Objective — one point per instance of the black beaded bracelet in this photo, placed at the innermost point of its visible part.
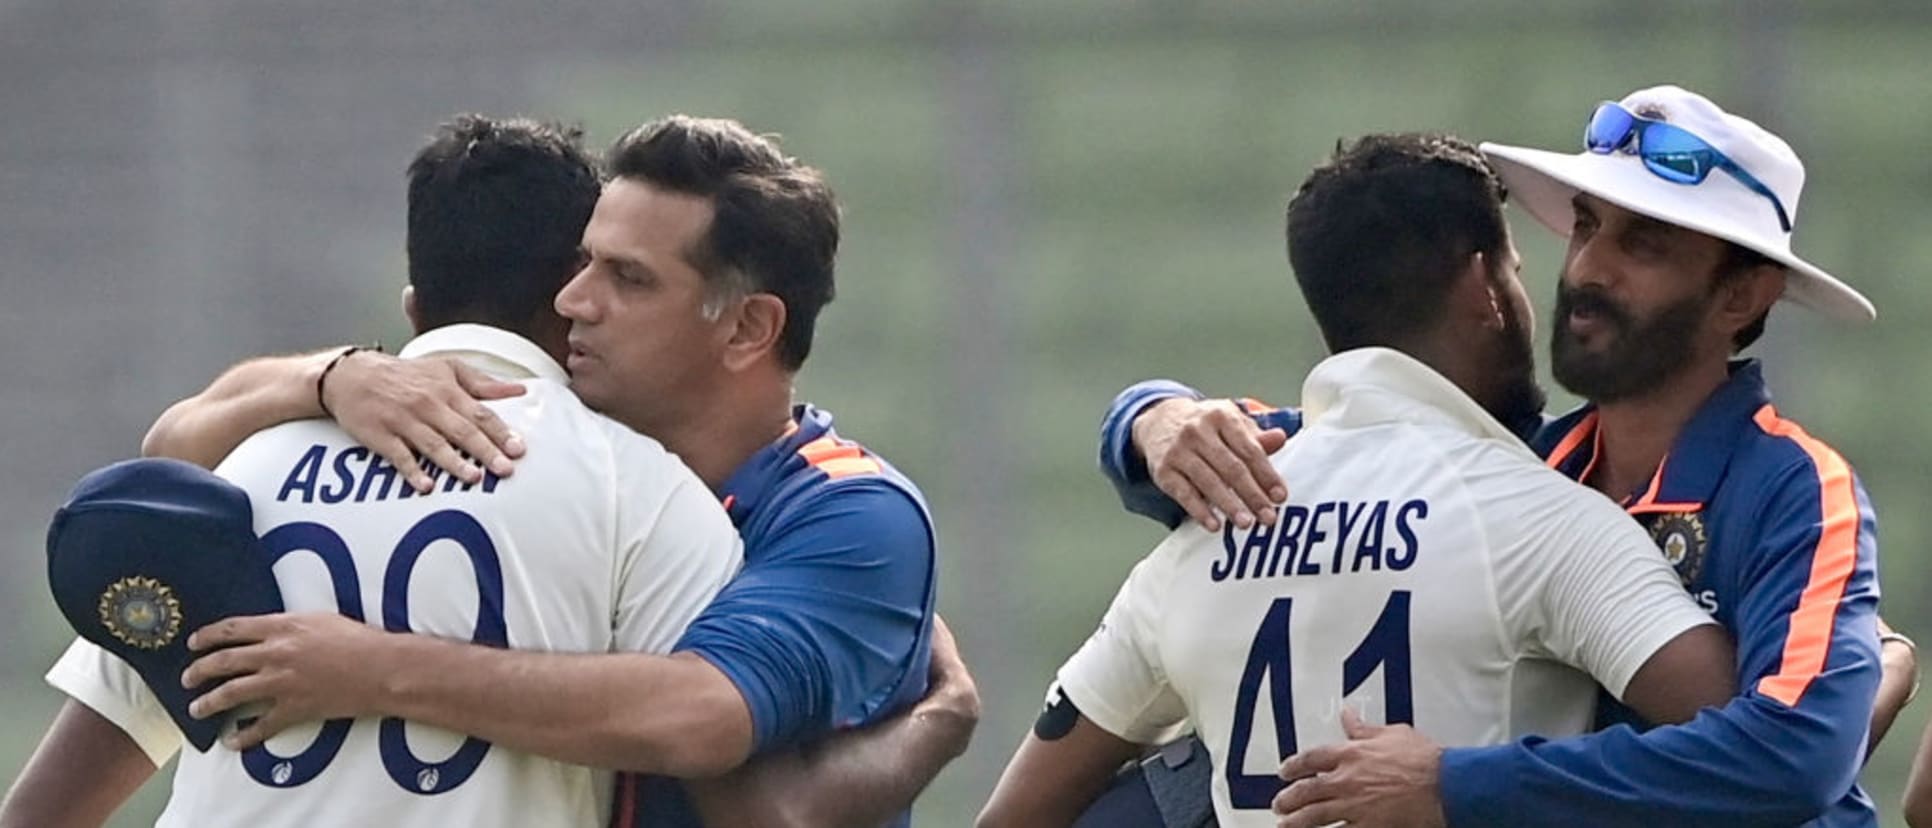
(322, 378)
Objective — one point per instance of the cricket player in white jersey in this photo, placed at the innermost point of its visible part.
(601, 541)
(1427, 568)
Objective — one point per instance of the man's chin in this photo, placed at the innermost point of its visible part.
(588, 390)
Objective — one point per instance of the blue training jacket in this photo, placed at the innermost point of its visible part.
(1773, 534)
(829, 624)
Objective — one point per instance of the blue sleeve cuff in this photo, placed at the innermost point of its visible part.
(754, 674)
(1123, 466)
(1475, 784)
(827, 626)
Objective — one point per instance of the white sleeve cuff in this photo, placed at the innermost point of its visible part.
(108, 686)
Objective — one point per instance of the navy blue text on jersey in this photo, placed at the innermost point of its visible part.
(358, 474)
(1323, 539)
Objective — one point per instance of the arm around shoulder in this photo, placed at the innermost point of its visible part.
(858, 777)
(246, 398)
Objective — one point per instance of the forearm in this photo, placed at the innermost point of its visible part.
(1918, 786)
(860, 777)
(669, 715)
(1049, 782)
(1751, 763)
(1895, 688)
(247, 398)
(83, 771)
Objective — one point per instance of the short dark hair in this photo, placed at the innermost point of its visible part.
(497, 209)
(775, 228)
(1738, 259)
(1378, 233)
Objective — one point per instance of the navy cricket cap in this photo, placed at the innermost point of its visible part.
(146, 552)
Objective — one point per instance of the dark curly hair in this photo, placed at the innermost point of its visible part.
(497, 209)
(1378, 233)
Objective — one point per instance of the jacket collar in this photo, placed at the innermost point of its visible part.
(1690, 472)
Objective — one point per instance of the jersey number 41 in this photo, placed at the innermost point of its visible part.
(1387, 646)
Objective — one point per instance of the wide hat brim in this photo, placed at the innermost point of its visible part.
(1544, 183)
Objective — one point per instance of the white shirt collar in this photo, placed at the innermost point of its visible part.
(1368, 385)
(492, 350)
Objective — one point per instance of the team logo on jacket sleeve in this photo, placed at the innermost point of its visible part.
(1681, 538)
(141, 612)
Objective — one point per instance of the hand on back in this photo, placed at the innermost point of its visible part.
(1212, 458)
(430, 407)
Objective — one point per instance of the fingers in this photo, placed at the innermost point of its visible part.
(502, 442)
(463, 435)
(1312, 816)
(222, 664)
(946, 666)
(1303, 793)
(482, 386)
(1212, 483)
(1310, 762)
(261, 729)
(498, 444)
(1354, 727)
(477, 430)
(427, 442)
(1244, 467)
(950, 685)
(393, 449)
(1176, 485)
(1209, 456)
(230, 695)
(450, 427)
(240, 629)
(1256, 451)
(943, 642)
(411, 411)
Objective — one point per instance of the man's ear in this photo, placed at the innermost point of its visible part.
(409, 308)
(1745, 296)
(758, 322)
(1478, 295)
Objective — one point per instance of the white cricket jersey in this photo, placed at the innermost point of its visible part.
(1427, 569)
(600, 541)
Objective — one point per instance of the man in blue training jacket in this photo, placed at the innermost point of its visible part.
(705, 264)
(1678, 217)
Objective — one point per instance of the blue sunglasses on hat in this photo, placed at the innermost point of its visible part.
(1670, 152)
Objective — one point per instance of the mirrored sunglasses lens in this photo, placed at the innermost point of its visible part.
(1609, 128)
(1681, 167)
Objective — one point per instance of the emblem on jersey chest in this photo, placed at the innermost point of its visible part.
(1680, 536)
(142, 612)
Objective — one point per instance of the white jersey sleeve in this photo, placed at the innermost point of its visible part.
(1578, 580)
(91, 675)
(1116, 678)
(675, 551)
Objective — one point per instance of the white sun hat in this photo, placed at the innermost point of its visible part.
(1544, 183)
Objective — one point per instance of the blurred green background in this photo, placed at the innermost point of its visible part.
(1043, 203)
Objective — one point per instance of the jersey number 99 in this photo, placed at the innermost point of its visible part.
(409, 772)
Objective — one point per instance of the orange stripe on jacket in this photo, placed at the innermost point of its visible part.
(1255, 407)
(1809, 640)
(1647, 504)
(838, 459)
(1567, 446)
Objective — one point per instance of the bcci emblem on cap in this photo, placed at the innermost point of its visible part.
(144, 553)
(142, 612)
(1682, 540)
